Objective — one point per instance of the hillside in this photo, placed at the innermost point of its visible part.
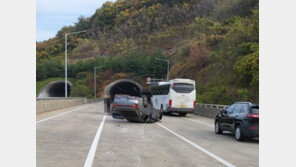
(215, 42)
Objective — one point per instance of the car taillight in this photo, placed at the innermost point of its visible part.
(134, 106)
(253, 115)
(170, 102)
(194, 103)
(254, 127)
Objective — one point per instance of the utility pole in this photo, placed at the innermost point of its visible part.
(66, 61)
(95, 80)
(168, 68)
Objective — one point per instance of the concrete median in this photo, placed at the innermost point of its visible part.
(49, 104)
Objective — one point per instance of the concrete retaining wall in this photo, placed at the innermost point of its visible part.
(208, 110)
(49, 104)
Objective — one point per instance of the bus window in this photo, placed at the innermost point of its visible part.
(183, 87)
(160, 90)
(165, 89)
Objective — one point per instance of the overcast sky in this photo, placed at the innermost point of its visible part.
(52, 15)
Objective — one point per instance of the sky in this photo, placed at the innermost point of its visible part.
(52, 15)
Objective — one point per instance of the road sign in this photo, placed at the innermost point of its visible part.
(148, 79)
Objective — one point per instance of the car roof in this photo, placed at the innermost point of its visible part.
(244, 102)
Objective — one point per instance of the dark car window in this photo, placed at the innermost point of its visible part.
(183, 87)
(229, 109)
(244, 108)
(255, 109)
(237, 108)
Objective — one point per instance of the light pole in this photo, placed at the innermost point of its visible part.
(66, 36)
(168, 68)
(95, 80)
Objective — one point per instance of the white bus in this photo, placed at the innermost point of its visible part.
(175, 96)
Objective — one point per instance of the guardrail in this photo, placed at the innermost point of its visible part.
(212, 105)
(60, 98)
(208, 110)
(54, 103)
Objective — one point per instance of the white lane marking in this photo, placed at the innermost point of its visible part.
(92, 150)
(198, 147)
(200, 122)
(61, 114)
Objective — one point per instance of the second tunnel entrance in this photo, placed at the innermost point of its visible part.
(121, 86)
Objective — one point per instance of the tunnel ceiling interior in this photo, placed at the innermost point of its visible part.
(125, 87)
(55, 89)
(58, 90)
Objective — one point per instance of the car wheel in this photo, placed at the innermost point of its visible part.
(161, 113)
(182, 114)
(160, 117)
(145, 101)
(217, 128)
(238, 133)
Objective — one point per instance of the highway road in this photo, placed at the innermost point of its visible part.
(85, 136)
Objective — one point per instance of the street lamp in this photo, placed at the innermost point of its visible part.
(95, 80)
(168, 68)
(66, 36)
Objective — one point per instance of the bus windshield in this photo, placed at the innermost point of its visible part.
(183, 87)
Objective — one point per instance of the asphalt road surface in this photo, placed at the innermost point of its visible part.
(85, 136)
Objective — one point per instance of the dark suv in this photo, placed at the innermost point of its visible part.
(241, 118)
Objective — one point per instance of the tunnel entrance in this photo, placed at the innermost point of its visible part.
(55, 89)
(121, 86)
(124, 88)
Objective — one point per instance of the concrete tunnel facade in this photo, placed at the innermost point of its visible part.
(121, 86)
(55, 89)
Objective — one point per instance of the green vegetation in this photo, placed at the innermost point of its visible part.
(216, 43)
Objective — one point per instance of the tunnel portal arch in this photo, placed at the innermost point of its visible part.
(55, 89)
(121, 86)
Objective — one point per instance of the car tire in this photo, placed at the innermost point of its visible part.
(160, 116)
(145, 101)
(238, 133)
(161, 113)
(182, 114)
(217, 128)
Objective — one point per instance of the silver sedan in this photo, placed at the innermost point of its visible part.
(135, 109)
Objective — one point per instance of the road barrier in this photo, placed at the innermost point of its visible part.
(54, 103)
(208, 110)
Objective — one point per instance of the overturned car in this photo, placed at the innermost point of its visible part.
(135, 109)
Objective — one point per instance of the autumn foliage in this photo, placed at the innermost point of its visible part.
(214, 42)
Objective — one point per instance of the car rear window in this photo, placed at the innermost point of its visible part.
(183, 87)
(255, 109)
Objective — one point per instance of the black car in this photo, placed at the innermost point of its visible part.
(241, 118)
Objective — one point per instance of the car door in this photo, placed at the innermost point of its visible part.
(224, 117)
(233, 116)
